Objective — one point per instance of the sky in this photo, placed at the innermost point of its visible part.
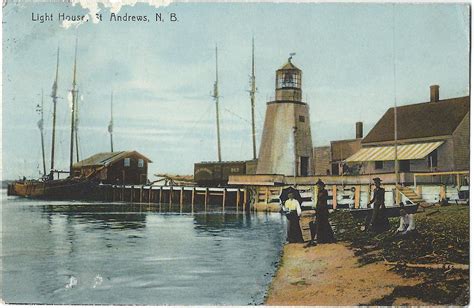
(358, 60)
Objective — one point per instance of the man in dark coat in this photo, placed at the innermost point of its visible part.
(320, 227)
(379, 221)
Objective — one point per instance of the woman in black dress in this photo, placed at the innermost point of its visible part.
(324, 233)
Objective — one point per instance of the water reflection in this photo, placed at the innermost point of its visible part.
(56, 253)
(100, 216)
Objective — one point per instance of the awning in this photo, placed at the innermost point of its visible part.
(404, 152)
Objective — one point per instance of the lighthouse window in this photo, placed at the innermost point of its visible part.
(301, 118)
(288, 80)
(126, 162)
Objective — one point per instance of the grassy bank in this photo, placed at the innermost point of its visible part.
(443, 238)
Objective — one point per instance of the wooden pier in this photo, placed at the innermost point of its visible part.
(195, 198)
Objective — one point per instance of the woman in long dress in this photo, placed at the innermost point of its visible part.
(324, 231)
(320, 228)
(379, 222)
(293, 207)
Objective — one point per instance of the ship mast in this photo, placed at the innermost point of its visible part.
(39, 109)
(252, 91)
(73, 109)
(111, 124)
(76, 125)
(55, 99)
(216, 98)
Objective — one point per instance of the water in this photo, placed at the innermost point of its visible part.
(92, 253)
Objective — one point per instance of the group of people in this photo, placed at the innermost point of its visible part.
(320, 229)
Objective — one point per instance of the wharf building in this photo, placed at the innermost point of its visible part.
(117, 168)
(431, 137)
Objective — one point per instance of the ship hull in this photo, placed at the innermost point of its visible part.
(66, 189)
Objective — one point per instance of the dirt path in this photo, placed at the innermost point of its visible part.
(329, 274)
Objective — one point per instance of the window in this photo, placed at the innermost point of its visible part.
(288, 79)
(433, 159)
(378, 164)
(404, 165)
(140, 163)
(301, 118)
(126, 162)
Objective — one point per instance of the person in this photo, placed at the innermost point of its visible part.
(407, 223)
(379, 221)
(320, 227)
(293, 209)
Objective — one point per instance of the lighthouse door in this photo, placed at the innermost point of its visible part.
(304, 165)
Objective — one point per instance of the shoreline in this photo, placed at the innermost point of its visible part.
(329, 275)
(367, 269)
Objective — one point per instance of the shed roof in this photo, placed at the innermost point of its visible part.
(107, 158)
(421, 120)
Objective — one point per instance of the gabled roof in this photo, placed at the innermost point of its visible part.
(422, 120)
(107, 158)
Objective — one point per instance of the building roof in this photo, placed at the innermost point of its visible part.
(289, 66)
(107, 158)
(422, 120)
(342, 149)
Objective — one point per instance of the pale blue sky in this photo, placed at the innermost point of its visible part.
(162, 74)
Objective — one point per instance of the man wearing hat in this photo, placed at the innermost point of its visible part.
(379, 221)
(320, 228)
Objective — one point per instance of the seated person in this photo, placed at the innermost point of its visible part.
(407, 223)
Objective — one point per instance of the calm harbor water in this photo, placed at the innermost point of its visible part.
(94, 253)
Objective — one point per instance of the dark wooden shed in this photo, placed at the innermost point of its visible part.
(124, 167)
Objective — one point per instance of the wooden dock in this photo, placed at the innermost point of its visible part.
(197, 198)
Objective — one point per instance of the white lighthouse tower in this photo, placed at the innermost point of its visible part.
(286, 146)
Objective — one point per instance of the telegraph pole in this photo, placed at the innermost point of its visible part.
(395, 124)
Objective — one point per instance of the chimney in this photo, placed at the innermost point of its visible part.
(434, 93)
(359, 130)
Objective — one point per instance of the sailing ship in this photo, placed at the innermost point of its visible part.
(72, 187)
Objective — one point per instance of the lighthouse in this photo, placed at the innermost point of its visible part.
(286, 146)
